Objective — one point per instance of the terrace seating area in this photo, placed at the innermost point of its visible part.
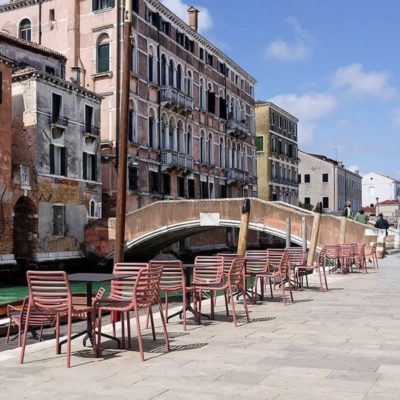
(137, 288)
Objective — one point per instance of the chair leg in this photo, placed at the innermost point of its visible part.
(243, 289)
(166, 307)
(290, 288)
(165, 333)
(233, 308)
(22, 354)
(8, 334)
(41, 333)
(139, 334)
(270, 288)
(283, 290)
(69, 331)
(321, 288)
(122, 330)
(326, 282)
(184, 304)
(212, 293)
(226, 303)
(152, 323)
(99, 323)
(58, 350)
(128, 327)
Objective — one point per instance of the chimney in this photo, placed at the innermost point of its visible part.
(193, 18)
(76, 75)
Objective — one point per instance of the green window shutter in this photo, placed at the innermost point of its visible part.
(84, 165)
(52, 167)
(64, 161)
(94, 165)
(259, 143)
(103, 58)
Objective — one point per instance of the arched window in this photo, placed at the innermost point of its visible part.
(202, 147)
(171, 73)
(151, 65)
(132, 122)
(164, 132)
(152, 129)
(189, 138)
(179, 77)
(172, 134)
(180, 140)
(234, 161)
(252, 122)
(25, 29)
(221, 153)
(239, 159)
(103, 53)
(92, 209)
(189, 90)
(163, 70)
(134, 55)
(210, 147)
(229, 153)
(202, 94)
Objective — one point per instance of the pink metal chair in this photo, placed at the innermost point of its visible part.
(297, 259)
(371, 255)
(17, 318)
(228, 258)
(233, 282)
(360, 258)
(143, 295)
(50, 294)
(319, 265)
(347, 254)
(208, 270)
(173, 279)
(332, 256)
(256, 269)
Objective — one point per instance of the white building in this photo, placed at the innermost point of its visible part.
(377, 188)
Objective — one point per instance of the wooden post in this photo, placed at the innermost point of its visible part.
(342, 229)
(314, 234)
(244, 228)
(304, 233)
(288, 232)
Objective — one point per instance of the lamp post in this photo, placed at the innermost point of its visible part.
(376, 205)
(123, 136)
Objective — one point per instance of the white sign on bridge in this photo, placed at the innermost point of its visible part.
(209, 219)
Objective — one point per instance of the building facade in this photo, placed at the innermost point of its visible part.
(55, 186)
(322, 179)
(277, 159)
(191, 118)
(378, 188)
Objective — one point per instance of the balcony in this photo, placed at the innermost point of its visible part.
(91, 131)
(236, 175)
(176, 100)
(59, 121)
(173, 160)
(237, 129)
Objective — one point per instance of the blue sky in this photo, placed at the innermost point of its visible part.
(333, 64)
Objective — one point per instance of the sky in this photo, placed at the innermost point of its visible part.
(335, 65)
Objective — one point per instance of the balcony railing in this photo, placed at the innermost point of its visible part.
(171, 159)
(237, 129)
(59, 120)
(91, 130)
(237, 175)
(172, 97)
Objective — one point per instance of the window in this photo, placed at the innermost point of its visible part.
(89, 119)
(324, 177)
(58, 160)
(181, 186)
(132, 124)
(58, 220)
(325, 202)
(132, 178)
(222, 107)
(171, 73)
(299, 178)
(259, 143)
(102, 4)
(202, 147)
(165, 27)
(201, 54)
(221, 67)
(166, 184)
(92, 209)
(163, 70)
(222, 191)
(191, 191)
(210, 59)
(135, 6)
(372, 191)
(134, 56)
(89, 167)
(307, 201)
(306, 178)
(179, 77)
(211, 101)
(151, 64)
(103, 54)
(153, 182)
(202, 95)
(50, 70)
(204, 190)
(152, 130)
(52, 15)
(189, 90)
(25, 30)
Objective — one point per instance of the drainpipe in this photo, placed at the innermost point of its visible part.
(118, 82)
(40, 22)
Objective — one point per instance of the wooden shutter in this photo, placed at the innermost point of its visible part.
(64, 161)
(94, 169)
(52, 167)
(84, 165)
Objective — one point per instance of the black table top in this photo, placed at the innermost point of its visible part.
(96, 277)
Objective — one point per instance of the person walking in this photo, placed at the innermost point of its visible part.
(347, 210)
(362, 217)
(382, 223)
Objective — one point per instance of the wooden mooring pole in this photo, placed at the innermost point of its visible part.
(314, 234)
(244, 228)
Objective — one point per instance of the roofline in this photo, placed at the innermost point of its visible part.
(384, 176)
(206, 43)
(260, 103)
(31, 46)
(31, 72)
(19, 4)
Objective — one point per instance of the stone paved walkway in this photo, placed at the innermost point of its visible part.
(343, 344)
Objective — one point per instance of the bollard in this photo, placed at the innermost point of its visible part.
(288, 232)
(244, 228)
(314, 234)
(304, 233)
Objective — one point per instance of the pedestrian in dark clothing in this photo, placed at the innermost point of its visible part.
(381, 223)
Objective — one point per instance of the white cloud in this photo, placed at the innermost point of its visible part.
(180, 8)
(356, 82)
(298, 49)
(288, 52)
(308, 108)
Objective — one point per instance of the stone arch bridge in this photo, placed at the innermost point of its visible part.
(158, 225)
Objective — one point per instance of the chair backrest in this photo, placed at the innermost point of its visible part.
(208, 269)
(256, 261)
(49, 291)
(37, 319)
(346, 250)
(173, 275)
(228, 258)
(361, 250)
(122, 288)
(146, 288)
(235, 274)
(332, 251)
(278, 259)
(297, 256)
